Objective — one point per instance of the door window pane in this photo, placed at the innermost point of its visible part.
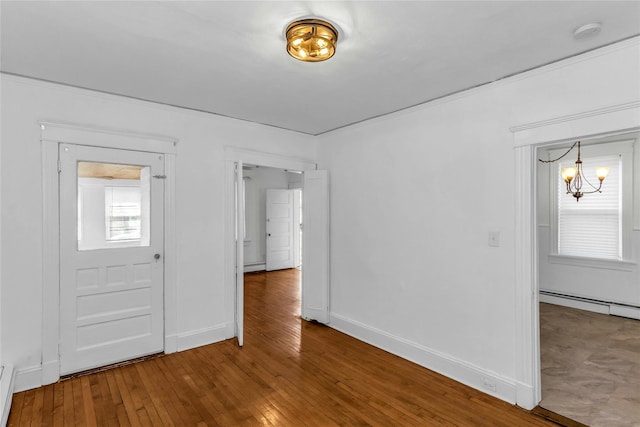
(113, 205)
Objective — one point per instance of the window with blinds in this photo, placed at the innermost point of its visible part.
(124, 206)
(592, 227)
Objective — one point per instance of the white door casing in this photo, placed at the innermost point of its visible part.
(233, 155)
(609, 120)
(240, 218)
(280, 229)
(315, 247)
(111, 299)
(297, 227)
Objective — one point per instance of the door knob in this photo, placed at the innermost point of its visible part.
(156, 256)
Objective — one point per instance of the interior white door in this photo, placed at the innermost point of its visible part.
(315, 253)
(111, 263)
(280, 235)
(240, 218)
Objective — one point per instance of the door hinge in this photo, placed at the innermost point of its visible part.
(160, 176)
(59, 166)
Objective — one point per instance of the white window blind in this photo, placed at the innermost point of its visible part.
(592, 227)
(123, 205)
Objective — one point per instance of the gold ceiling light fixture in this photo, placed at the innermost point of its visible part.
(573, 177)
(311, 40)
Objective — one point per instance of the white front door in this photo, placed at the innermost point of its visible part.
(111, 256)
(280, 235)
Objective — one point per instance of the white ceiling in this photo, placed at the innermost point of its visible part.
(229, 58)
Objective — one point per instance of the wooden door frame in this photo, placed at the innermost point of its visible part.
(612, 120)
(51, 135)
(257, 158)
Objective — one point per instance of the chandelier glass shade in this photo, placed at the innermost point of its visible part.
(311, 40)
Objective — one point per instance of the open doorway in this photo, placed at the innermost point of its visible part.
(589, 314)
(315, 257)
(273, 220)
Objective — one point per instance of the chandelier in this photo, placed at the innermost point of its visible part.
(573, 176)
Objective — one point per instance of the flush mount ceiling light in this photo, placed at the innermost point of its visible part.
(311, 40)
(573, 177)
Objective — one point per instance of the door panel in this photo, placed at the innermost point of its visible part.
(315, 256)
(111, 264)
(280, 235)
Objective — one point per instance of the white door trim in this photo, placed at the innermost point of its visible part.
(610, 120)
(252, 157)
(51, 135)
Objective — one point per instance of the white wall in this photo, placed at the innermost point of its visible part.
(593, 280)
(204, 312)
(413, 198)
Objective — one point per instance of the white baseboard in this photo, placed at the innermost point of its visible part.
(525, 396)
(459, 370)
(50, 372)
(36, 376)
(170, 344)
(255, 267)
(7, 378)
(200, 337)
(28, 378)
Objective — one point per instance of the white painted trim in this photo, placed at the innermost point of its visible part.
(608, 120)
(601, 121)
(51, 264)
(481, 379)
(527, 338)
(170, 256)
(606, 264)
(105, 137)
(260, 158)
(200, 337)
(255, 267)
(28, 378)
(7, 382)
(52, 134)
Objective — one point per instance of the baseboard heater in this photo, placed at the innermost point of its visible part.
(598, 306)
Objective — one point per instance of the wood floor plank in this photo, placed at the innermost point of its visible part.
(288, 373)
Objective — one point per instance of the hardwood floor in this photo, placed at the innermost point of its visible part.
(289, 373)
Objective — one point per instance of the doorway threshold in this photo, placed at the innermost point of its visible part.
(554, 417)
(111, 366)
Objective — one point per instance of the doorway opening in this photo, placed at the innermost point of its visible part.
(273, 218)
(315, 257)
(589, 309)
